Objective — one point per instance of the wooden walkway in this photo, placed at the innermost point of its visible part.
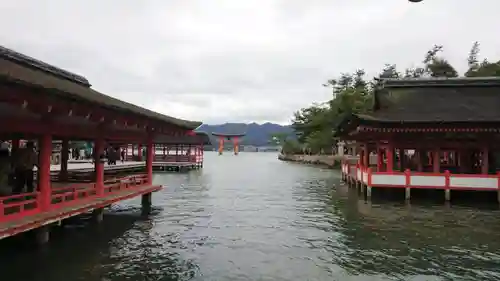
(73, 208)
(128, 166)
(89, 166)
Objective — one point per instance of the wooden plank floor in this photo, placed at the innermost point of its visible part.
(34, 221)
(88, 166)
(174, 164)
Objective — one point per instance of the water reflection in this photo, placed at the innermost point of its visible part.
(252, 217)
(401, 241)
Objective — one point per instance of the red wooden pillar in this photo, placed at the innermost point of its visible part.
(139, 152)
(380, 159)
(99, 166)
(420, 159)
(63, 173)
(485, 160)
(198, 154)
(149, 159)
(464, 160)
(402, 159)
(361, 156)
(236, 145)
(221, 145)
(390, 157)
(201, 154)
(44, 188)
(436, 160)
(366, 156)
(15, 144)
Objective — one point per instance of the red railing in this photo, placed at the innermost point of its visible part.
(21, 205)
(174, 158)
(15, 206)
(423, 180)
(198, 158)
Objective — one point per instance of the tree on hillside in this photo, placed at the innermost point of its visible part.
(351, 93)
(436, 66)
(480, 69)
(310, 119)
(278, 138)
(472, 60)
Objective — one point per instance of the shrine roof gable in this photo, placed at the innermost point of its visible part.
(437, 100)
(20, 69)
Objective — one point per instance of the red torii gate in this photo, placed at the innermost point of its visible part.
(234, 137)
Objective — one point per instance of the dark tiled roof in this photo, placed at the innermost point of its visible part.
(199, 138)
(34, 73)
(228, 135)
(454, 100)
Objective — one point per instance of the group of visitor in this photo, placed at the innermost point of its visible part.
(112, 154)
(16, 168)
(76, 154)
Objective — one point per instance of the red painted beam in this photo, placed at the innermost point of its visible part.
(37, 101)
(33, 126)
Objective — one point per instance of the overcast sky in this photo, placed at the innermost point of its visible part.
(239, 61)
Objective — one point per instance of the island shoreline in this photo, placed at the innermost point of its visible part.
(328, 161)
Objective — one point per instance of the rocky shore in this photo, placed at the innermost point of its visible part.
(330, 161)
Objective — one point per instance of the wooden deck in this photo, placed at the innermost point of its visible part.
(68, 201)
(129, 166)
(89, 166)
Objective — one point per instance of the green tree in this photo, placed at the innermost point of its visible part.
(291, 146)
(278, 138)
(480, 69)
(436, 66)
(352, 93)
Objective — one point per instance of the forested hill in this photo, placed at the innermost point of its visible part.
(256, 134)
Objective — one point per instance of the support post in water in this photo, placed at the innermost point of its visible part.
(146, 202)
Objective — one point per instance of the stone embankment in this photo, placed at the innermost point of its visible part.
(330, 161)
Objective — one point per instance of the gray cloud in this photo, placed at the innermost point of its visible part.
(239, 61)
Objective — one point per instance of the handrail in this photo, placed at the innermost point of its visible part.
(19, 205)
(413, 179)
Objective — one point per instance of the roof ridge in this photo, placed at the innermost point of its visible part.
(31, 62)
(440, 82)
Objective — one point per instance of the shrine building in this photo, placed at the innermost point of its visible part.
(439, 133)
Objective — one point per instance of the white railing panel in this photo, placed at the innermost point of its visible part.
(358, 174)
(388, 179)
(474, 182)
(365, 178)
(437, 181)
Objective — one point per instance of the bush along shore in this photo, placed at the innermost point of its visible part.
(330, 161)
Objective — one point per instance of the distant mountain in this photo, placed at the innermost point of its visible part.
(256, 134)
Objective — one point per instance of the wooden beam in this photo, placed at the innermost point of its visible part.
(32, 126)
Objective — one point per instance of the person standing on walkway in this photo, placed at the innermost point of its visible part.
(25, 160)
(5, 170)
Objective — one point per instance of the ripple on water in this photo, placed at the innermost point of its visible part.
(252, 217)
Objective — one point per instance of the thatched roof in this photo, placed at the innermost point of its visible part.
(20, 69)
